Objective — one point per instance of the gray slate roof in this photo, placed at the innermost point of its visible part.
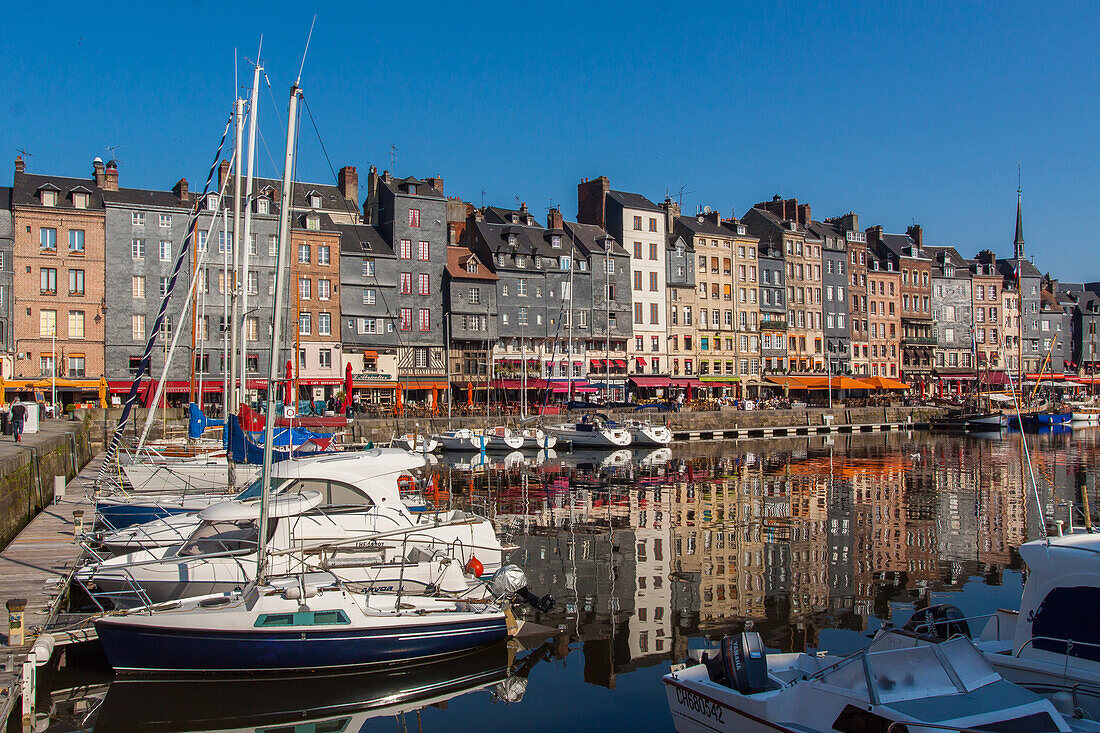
(363, 239)
(634, 201)
(25, 190)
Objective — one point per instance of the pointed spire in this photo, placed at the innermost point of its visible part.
(1018, 243)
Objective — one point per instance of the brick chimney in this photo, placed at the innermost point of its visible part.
(110, 176)
(804, 217)
(20, 166)
(916, 234)
(348, 181)
(849, 222)
(554, 219)
(785, 209)
(714, 218)
(370, 206)
(672, 213)
(180, 189)
(591, 201)
(223, 174)
(436, 182)
(97, 171)
(874, 234)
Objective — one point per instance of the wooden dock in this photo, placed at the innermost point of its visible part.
(792, 431)
(36, 566)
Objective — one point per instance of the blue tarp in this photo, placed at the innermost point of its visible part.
(243, 449)
(198, 422)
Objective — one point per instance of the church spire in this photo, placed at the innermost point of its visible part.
(1018, 243)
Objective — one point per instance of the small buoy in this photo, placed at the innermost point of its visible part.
(474, 567)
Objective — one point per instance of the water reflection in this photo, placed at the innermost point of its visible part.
(811, 542)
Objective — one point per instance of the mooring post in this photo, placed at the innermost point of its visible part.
(27, 692)
(78, 523)
(17, 629)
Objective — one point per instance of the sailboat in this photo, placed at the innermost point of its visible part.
(296, 622)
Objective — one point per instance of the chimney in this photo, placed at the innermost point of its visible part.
(785, 209)
(110, 176)
(20, 166)
(348, 182)
(591, 201)
(386, 178)
(97, 171)
(850, 222)
(874, 234)
(554, 219)
(714, 218)
(917, 234)
(804, 217)
(370, 208)
(223, 173)
(180, 189)
(436, 183)
(672, 213)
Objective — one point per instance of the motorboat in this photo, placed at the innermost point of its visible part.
(981, 422)
(645, 433)
(502, 439)
(900, 678)
(294, 623)
(328, 517)
(1047, 418)
(416, 443)
(462, 439)
(593, 431)
(120, 511)
(537, 439)
(203, 472)
(1084, 413)
(1052, 643)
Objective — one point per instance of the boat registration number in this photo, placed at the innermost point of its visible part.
(698, 703)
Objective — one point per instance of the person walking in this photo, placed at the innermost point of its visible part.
(18, 418)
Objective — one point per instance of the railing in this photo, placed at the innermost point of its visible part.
(918, 341)
(773, 325)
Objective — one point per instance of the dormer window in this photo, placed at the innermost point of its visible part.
(741, 229)
(412, 189)
(471, 266)
(313, 223)
(80, 200)
(47, 195)
(263, 205)
(315, 201)
(555, 241)
(511, 240)
(211, 204)
(521, 262)
(513, 218)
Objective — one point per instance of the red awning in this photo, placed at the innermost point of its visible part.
(651, 381)
(518, 384)
(585, 389)
(175, 386)
(620, 363)
(640, 360)
(595, 363)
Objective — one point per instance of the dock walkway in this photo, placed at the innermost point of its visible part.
(36, 566)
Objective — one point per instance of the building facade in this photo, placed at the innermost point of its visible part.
(952, 319)
(7, 364)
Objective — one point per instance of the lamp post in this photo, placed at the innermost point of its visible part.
(53, 367)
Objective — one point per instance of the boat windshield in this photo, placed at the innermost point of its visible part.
(221, 536)
(253, 490)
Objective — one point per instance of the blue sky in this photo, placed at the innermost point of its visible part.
(901, 112)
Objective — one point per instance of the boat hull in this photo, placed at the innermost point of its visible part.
(121, 516)
(695, 712)
(146, 648)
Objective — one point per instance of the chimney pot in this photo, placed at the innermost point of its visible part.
(181, 191)
(110, 176)
(20, 166)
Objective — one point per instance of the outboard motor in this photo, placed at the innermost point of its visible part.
(510, 580)
(941, 621)
(740, 664)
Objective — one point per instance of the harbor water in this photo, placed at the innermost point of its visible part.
(813, 542)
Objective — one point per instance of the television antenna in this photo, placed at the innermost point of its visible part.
(111, 152)
(393, 155)
(23, 152)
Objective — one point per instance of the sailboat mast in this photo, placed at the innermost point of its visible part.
(282, 260)
(236, 246)
(246, 245)
(569, 367)
(226, 378)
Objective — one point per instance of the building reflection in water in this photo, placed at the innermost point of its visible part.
(789, 537)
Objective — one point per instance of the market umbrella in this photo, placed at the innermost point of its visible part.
(885, 383)
(435, 399)
(398, 403)
(347, 386)
(469, 395)
(288, 386)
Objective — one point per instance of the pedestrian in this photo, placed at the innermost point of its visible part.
(18, 418)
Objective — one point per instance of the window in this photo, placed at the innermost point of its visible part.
(653, 281)
(47, 239)
(253, 283)
(522, 320)
(638, 313)
(652, 251)
(414, 217)
(368, 268)
(201, 241)
(48, 280)
(137, 326)
(76, 366)
(324, 289)
(324, 358)
(405, 250)
(555, 241)
(637, 280)
(305, 323)
(76, 240)
(225, 243)
(304, 254)
(652, 224)
(637, 250)
(471, 266)
(47, 322)
(406, 319)
(474, 296)
(45, 361)
(76, 324)
(324, 254)
(406, 283)
(610, 265)
(425, 319)
(565, 263)
(272, 244)
(653, 313)
(251, 328)
(637, 223)
(422, 284)
(303, 288)
(137, 218)
(163, 286)
(324, 324)
(137, 286)
(422, 252)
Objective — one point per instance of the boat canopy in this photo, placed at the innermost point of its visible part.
(283, 505)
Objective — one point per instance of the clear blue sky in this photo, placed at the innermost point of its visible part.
(900, 112)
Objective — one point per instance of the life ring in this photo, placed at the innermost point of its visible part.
(406, 484)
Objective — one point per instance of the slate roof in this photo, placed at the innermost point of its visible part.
(144, 197)
(363, 239)
(326, 223)
(25, 188)
(703, 225)
(634, 201)
(498, 215)
(331, 198)
(423, 188)
(901, 245)
(5, 197)
(1007, 268)
(589, 237)
(1048, 303)
(952, 255)
(458, 257)
(530, 240)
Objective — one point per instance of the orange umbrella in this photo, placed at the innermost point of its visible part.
(435, 399)
(469, 395)
(885, 383)
(398, 403)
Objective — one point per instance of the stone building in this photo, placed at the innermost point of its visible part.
(682, 299)
(858, 313)
(904, 251)
(7, 364)
(834, 283)
(773, 305)
(469, 290)
(952, 319)
(883, 286)
(639, 225)
(58, 285)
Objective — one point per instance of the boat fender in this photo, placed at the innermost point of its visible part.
(740, 663)
(475, 568)
(941, 621)
(295, 592)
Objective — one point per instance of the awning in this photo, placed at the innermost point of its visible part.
(519, 384)
(595, 363)
(994, 378)
(370, 354)
(885, 383)
(373, 385)
(651, 381)
(621, 363)
(788, 382)
(1046, 377)
(640, 360)
(421, 384)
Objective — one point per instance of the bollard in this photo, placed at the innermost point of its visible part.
(78, 523)
(58, 488)
(17, 628)
(28, 692)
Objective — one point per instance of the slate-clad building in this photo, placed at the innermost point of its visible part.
(682, 301)
(834, 284)
(469, 298)
(773, 305)
(7, 365)
(952, 319)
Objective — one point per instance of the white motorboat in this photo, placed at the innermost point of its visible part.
(1052, 644)
(327, 519)
(198, 473)
(416, 443)
(462, 439)
(923, 684)
(645, 433)
(592, 431)
(501, 438)
(537, 439)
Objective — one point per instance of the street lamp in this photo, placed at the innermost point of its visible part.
(53, 365)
